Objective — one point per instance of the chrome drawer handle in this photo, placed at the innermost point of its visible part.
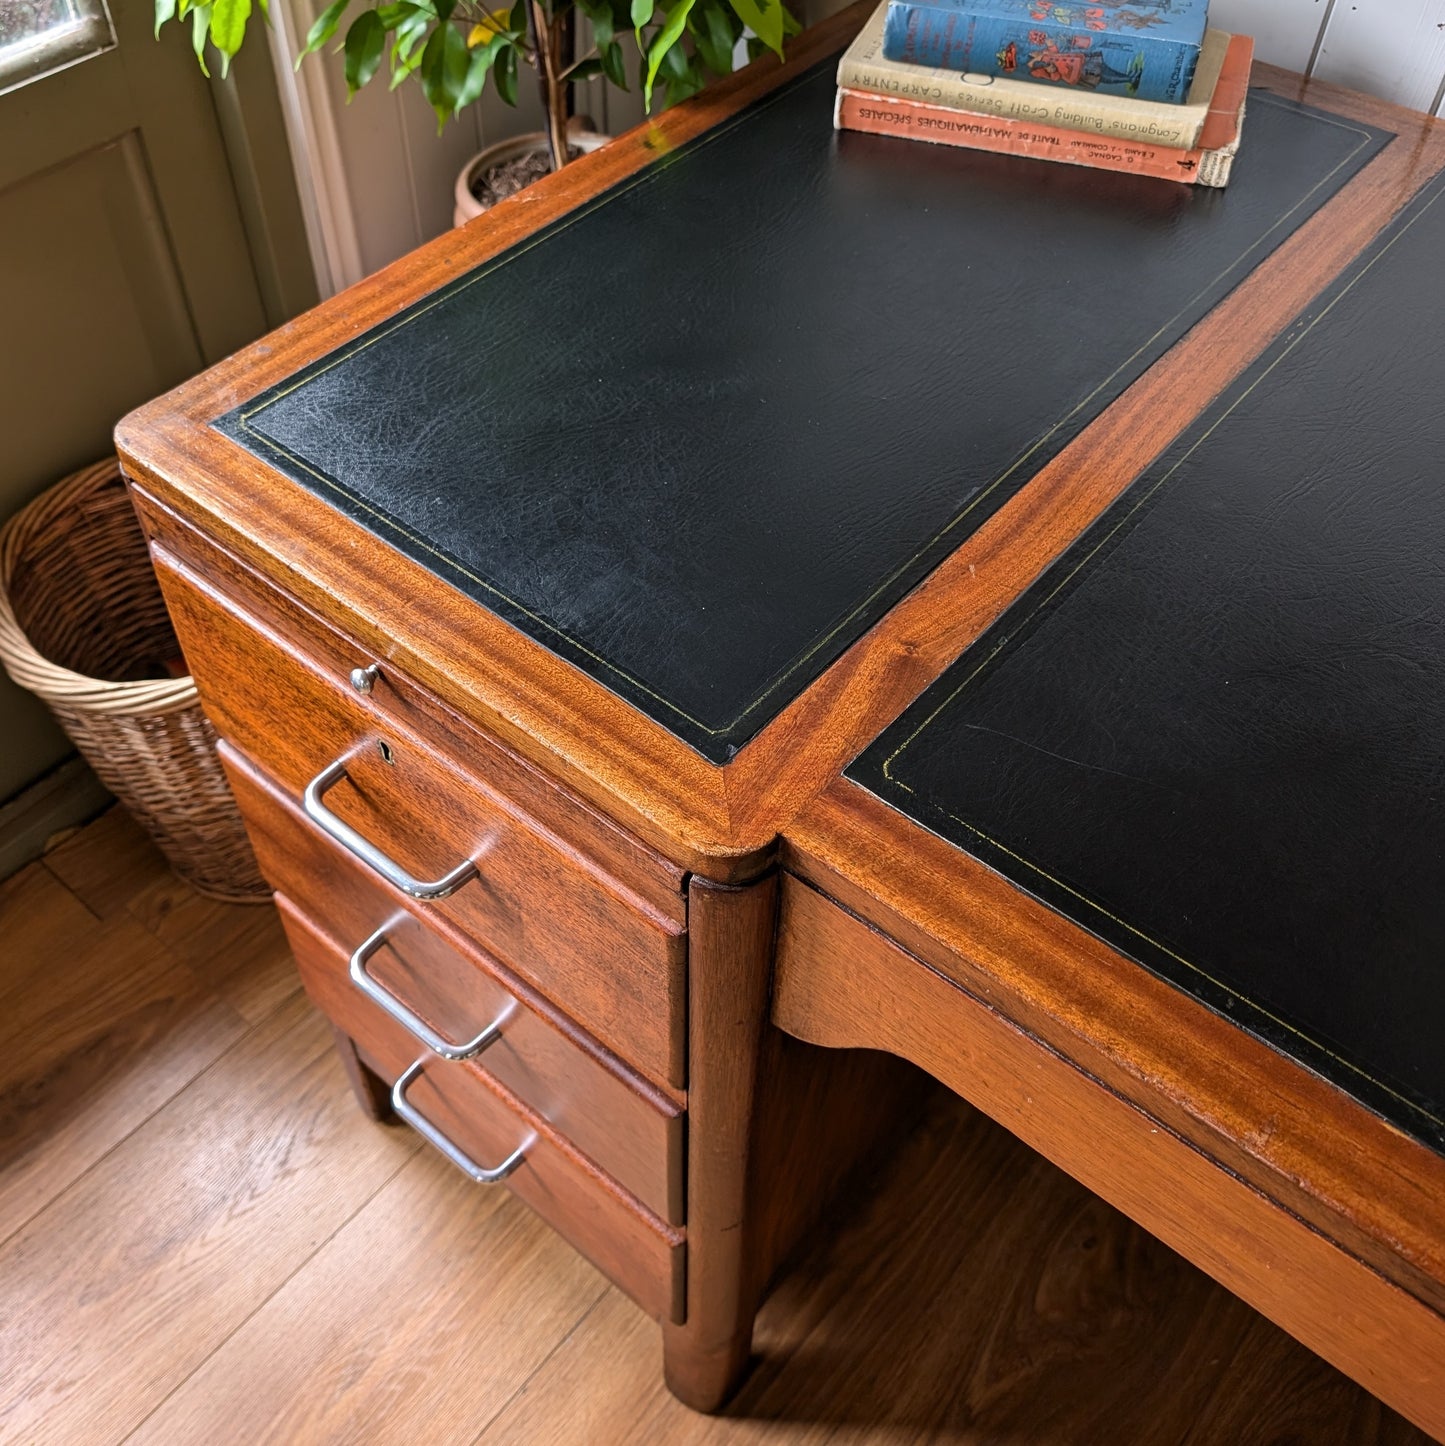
(434, 1136)
(368, 853)
(378, 993)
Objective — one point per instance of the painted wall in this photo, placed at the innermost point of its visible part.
(1389, 48)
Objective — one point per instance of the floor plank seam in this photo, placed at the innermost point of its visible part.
(166, 1104)
(284, 1002)
(262, 1304)
(148, 925)
(22, 1225)
(321, 1050)
(43, 864)
(540, 1366)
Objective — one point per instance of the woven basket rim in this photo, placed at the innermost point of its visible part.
(30, 668)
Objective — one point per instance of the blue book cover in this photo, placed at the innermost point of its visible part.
(1142, 48)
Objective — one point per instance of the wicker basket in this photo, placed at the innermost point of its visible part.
(83, 626)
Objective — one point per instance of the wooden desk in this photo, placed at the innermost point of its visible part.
(1207, 738)
(533, 665)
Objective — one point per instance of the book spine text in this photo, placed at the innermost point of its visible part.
(943, 87)
(881, 116)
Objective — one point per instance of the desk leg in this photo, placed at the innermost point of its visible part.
(372, 1092)
(730, 952)
(774, 1127)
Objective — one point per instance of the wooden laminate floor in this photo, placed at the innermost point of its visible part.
(203, 1240)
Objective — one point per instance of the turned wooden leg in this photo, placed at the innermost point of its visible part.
(775, 1128)
(371, 1091)
(701, 1378)
(730, 948)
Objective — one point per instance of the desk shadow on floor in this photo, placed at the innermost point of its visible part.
(980, 1295)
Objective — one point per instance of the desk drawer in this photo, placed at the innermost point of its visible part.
(487, 1123)
(332, 646)
(630, 1129)
(600, 951)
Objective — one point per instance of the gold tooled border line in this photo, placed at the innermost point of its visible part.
(645, 176)
(888, 763)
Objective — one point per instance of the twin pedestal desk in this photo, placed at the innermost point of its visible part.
(766, 603)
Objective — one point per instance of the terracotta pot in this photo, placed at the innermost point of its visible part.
(467, 206)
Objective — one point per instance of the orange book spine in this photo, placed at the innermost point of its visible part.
(881, 116)
(1226, 105)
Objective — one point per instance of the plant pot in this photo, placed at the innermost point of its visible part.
(467, 206)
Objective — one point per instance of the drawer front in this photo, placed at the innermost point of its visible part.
(396, 698)
(488, 1124)
(597, 950)
(631, 1130)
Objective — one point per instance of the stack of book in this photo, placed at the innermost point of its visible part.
(1142, 86)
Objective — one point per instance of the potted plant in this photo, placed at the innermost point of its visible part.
(452, 47)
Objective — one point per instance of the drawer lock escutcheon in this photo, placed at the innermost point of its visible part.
(379, 994)
(429, 1132)
(368, 853)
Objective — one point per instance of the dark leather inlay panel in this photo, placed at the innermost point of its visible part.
(1214, 732)
(699, 435)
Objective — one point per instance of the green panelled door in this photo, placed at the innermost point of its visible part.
(126, 220)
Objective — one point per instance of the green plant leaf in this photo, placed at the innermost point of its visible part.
(483, 59)
(365, 41)
(323, 28)
(641, 13)
(680, 90)
(674, 63)
(401, 69)
(613, 66)
(599, 12)
(444, 66)
(765, 19)
(405, 57)
(682, 74)
(478, 65)
(662, 43)
(228, 28)
(506, 71)
(165, 9)
(715, 36)
(200, 27)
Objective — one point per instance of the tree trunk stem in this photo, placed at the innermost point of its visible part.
(554, 88)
